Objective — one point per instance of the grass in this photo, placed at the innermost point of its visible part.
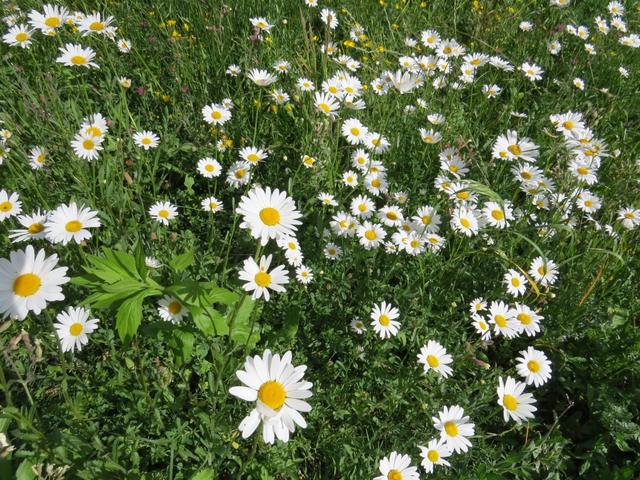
(156, 405)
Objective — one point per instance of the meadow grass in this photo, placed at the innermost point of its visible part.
(152, 401)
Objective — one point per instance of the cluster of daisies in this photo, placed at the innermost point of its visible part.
(52, 20)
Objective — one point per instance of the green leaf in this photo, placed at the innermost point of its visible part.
(24, 471)
(129, 315)
(181, 342)
(244, 329)
(291, 320)
(207, 474)
(181, 262)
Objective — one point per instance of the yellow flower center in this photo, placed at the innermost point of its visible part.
(451, 428)
(270, 216)
(497, 214)
(541, 270)
(376, 183)
(240, 173)
(501, 321)
(213, 205)
(414, 243)
(583, 170)
(88, 144)
(515, 282)
(146, 141)
(324, 107)
(174, 307)
(384, 320)
(515, 149)
(272, 394)
(216, 115)
(76, 329)
(22, 37)
(262, 279)
(533, 366)
(94, 131)
(333, 89)
(524, 318)
(35, 228)
(163, 213)
(26, 284)
(432, 361)
(6, 206)
(483, 325)
(392, 215)
(370, 235)
(465, 223)
(78, 60)
(629, 216)
(588, 203)
(209, 168)
(462, 195)
(362, 207)
(52, 22)
(394, 475)
(568, 124)
(73, 226)
(96, 26)
(433, 456)
(447, 50)
(510, 402)
(40, 158)
(252, 157)
(355, 131)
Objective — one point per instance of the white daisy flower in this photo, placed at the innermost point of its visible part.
(216, 114)
(277, 389)
(260, 280)
(534, 366)
(434, 356)
(146, 139)
(304, 275)
(434, 454)
(74, 327)
(397, 467)
(75, 55)
(10, 205)
(454, 428)
(70, 222)
(384, 323)
(209, 167)
(171, 309)
(515, 282)
(28, 281)
(33, 227)
(517, 405)
(211, 204)
(163, 212)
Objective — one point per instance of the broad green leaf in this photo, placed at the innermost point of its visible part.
(207, 474)
(181, 343)
(244, 329)
(24, 471)
(181, 262)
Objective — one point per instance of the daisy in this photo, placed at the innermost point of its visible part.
(497, 215)
(427, 219)
(481, 326)
(332, 251)
(532, 71)
(517, 405)
(86, 146)
(259, 280)
(262, 78)
(70, 222)
(501, 316)
(327, 199)
(376, 183)
(326, 104)
(477, 305)
(18, 36)
(578, 83)
(171, 309)
(280, 97)
(354, 131)
(268, 214)
(430, 136)
(216, 114)
(95, 23)
(358, 326)
(628, 216)
(33, 227)
(510, 147)
(308, 161)
(277, 389)
(588, 202)
(515, 282)
(28, 281)
(146, 139)
(376, 142)
(362, 206)
(370, 235)
(73, 328)
(397, 467)
(350, 178)
(528, 320)
(95, 125)
(384, 322)
(10, 205)
(434, 356)
(152, 262)
(239, 173)
(163, 212)
(329, 18)
(53, 18)
(391, 215)
(534, 367)
(252, 155)
(464, 220)
(454, 428)
(434, 454)
(211, 204)
(233, 70)
(304, 275)
(305, 85)
(282, 66)
(124, 45)
(124, 82)
(261, 23)
(75, 55)
(209, 167)
(544, 271)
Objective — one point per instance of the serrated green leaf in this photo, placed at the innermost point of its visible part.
(181, 262)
